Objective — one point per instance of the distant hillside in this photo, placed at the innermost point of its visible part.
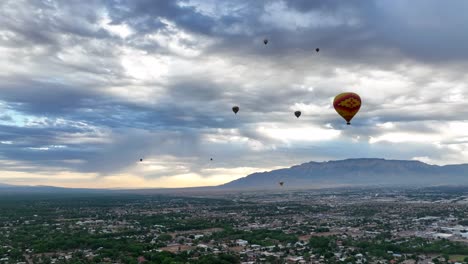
(357, 172)
(22, 189)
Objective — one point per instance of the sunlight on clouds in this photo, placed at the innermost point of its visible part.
(376, 85)
(179, 41)
(223, 175)
(139, 92)
(446, 132)
(189, 180)
(122, 30)
(74, 55)
(84, 138)
(379, 89)
(226, 136)
(6, 35)
(91, 180)
(221, 71)
(142, 66)
(386, 125)
(310, 108)
(122, 180)
(21, 62)
(160, 166)
(398, 137)
(53, 178)
(308, 133)
(457, 128)
(233, 136)
(455, 95)
(45, 148)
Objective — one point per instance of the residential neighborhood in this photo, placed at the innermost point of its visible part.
(331, 226)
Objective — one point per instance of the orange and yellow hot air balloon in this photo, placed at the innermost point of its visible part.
(347, 105)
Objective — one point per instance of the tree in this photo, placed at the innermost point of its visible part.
(165, 237)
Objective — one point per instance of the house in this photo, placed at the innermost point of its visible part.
(242, 242)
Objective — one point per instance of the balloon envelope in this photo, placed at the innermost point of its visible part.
(235, 109)
(317, 49)
(141, 159)
(265, 41)
(297, 114)
(281, 183)
(347, 105)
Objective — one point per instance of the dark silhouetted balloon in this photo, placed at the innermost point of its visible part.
(235, 109)
(297, 114)
(347, 105)
(141, 160)
(211, 159)
(265, 41)
(281, 183)
(317, 49)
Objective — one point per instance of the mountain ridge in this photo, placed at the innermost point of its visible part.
(356, 172)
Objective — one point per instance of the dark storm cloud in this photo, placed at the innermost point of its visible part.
(43, 97)
(370, 32)
(40, 145)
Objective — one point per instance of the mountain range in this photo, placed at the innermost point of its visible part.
(355, 172)
(314, 175)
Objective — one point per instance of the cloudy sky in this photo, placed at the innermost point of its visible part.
(87, 88)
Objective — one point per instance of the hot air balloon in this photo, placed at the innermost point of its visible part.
(211, 159)
(235, 109)
(281, 183)
(141, 160)
(297, 114)
(265, 41)
(347, 105)
(317, 49)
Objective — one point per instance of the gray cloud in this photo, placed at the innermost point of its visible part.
(72, 89)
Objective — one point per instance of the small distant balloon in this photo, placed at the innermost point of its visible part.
(297, 114)
(141, 160)
(265, 41)
(281, 183)
(211, 159)
(235, 109)
(317, 49)
(347, 105)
